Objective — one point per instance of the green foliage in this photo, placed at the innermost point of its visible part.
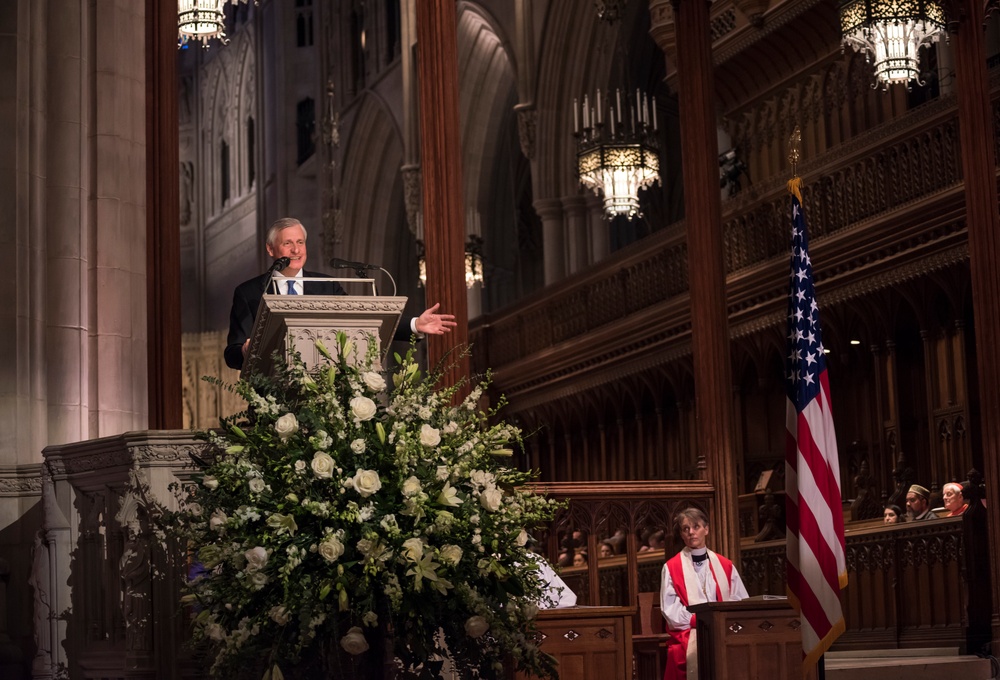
(340, 510)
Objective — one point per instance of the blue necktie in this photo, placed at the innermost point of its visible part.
(291, 288)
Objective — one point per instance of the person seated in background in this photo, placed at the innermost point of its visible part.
(692, 576)
(954, 502)
(580, 559)
(604, 549)
(892, 514)
(918, 505)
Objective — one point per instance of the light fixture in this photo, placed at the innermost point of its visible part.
(618, 157)
(473, 253)
(610, 10)
(202, 20)
(891, 33)
(473, 261)
(855, 342)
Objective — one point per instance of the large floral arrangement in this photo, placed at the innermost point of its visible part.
(336, 514)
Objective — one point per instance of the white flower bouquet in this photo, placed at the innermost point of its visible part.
(342, 518)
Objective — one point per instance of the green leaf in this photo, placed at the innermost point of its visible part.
(237, 431)
(324, 591)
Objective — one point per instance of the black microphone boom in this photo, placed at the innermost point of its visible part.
(337, 263)
(280, 263)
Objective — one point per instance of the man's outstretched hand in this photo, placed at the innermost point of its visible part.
(432, 323)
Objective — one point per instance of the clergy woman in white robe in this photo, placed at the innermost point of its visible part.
(692, 576)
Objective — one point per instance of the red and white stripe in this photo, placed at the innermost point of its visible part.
(816, 566)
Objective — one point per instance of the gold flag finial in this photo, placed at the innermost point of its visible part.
(794, 148)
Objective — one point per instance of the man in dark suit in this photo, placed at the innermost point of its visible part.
(287, 238)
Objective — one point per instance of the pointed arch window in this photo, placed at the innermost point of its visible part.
(224, 172)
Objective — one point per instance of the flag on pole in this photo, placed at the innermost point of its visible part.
(815, 563)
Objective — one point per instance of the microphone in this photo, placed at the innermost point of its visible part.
(278, 264)
(337, 263)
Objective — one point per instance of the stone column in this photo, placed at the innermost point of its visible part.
(577, 236)
(553, 239)
(600, 238)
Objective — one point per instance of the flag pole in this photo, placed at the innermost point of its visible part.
(815, 561)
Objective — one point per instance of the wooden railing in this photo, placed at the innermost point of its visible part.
(919, 584)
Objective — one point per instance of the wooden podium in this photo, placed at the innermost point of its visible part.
(590, 643)
(296, 322)
(749, 639)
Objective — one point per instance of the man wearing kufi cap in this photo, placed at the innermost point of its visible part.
(918, 503)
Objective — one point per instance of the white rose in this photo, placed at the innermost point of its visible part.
(451, 554)
(354, 642)
(286, 426)
(363, 408)
(413, 549)
(331, 548)
(358, 446)
(370, 619)
(218, 521)
(373, 380)
(300, 466)
(476, 626)
(429, 436)
(257, 485)
(210, 482)
(450, 428)
(411, 487)
(259, 579)
(521, 539)
(194, 509)
(424, 412)
(279, 614)
(256, 558)
(442, 472)
(366, 482)
(491, 498)
(322, 465)
(215, 631)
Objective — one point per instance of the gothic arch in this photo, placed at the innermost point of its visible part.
(375, 213)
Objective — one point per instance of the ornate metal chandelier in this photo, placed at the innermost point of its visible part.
(891, 34)
(202, 20)
(618, 157)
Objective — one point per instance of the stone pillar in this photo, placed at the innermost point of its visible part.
(441, 155)
(600, 238)
(975, 125)
(577, 236)
(553, 239)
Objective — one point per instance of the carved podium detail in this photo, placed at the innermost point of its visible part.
(295, 323)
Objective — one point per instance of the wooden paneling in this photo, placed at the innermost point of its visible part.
(589, 644)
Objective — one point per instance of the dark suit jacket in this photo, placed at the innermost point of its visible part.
(246, 300)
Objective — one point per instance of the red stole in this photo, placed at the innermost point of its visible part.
(677, 645)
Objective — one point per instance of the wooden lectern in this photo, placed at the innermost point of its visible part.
(590, 643)
(295, 322)
(749, 639)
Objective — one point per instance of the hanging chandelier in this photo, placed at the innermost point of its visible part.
(202, 20)
(891, 34)
(618, 157)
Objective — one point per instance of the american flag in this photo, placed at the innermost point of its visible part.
(815, 562)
